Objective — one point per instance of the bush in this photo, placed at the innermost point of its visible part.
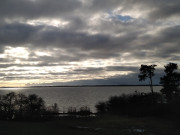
(137, 104)
(83, 111)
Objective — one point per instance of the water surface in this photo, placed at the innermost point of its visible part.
(77, 96)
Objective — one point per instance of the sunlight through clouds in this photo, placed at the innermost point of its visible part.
(16, 52)
(51, 22)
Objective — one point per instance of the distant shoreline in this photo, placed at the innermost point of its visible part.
(81, 86)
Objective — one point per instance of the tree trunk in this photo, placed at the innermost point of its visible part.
(151, 87)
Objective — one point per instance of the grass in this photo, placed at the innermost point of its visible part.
(104, 125)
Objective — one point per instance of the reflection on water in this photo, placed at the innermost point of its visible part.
(77, 96)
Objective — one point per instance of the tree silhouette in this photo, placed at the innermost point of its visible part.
(147, 71)
(9, 101)
(55, 108)
(170, 81)
(21, 105)
(36, 105)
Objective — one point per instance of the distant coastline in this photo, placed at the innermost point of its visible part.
(81, 86)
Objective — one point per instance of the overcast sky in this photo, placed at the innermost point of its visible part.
(76, 42)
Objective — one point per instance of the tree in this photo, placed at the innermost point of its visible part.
(147, 71)
(36, 105)
(21, 105)
(9, 102)
(170, 81)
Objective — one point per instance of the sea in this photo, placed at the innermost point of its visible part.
(78, 97)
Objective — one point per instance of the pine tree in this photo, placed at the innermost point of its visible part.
(147, 72)
(170, 81)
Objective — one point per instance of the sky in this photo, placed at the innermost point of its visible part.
(86, 42)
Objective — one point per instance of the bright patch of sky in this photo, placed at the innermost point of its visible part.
(51, 22)
(17, 52)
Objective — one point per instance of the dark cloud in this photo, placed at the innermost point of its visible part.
(165, 10)
(10, 78)
(36, 9)
(131, 79)
(99, 45)
(89, 70)
(30, 9)
(122, 68)
(102, 45)
(17, 34)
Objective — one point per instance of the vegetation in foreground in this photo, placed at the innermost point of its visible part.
(140, 105)
(21, 107)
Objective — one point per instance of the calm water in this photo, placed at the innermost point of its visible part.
(78, 96)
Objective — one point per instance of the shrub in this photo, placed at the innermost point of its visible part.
(139, 104)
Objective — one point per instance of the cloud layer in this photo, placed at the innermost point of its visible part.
(56, 41)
